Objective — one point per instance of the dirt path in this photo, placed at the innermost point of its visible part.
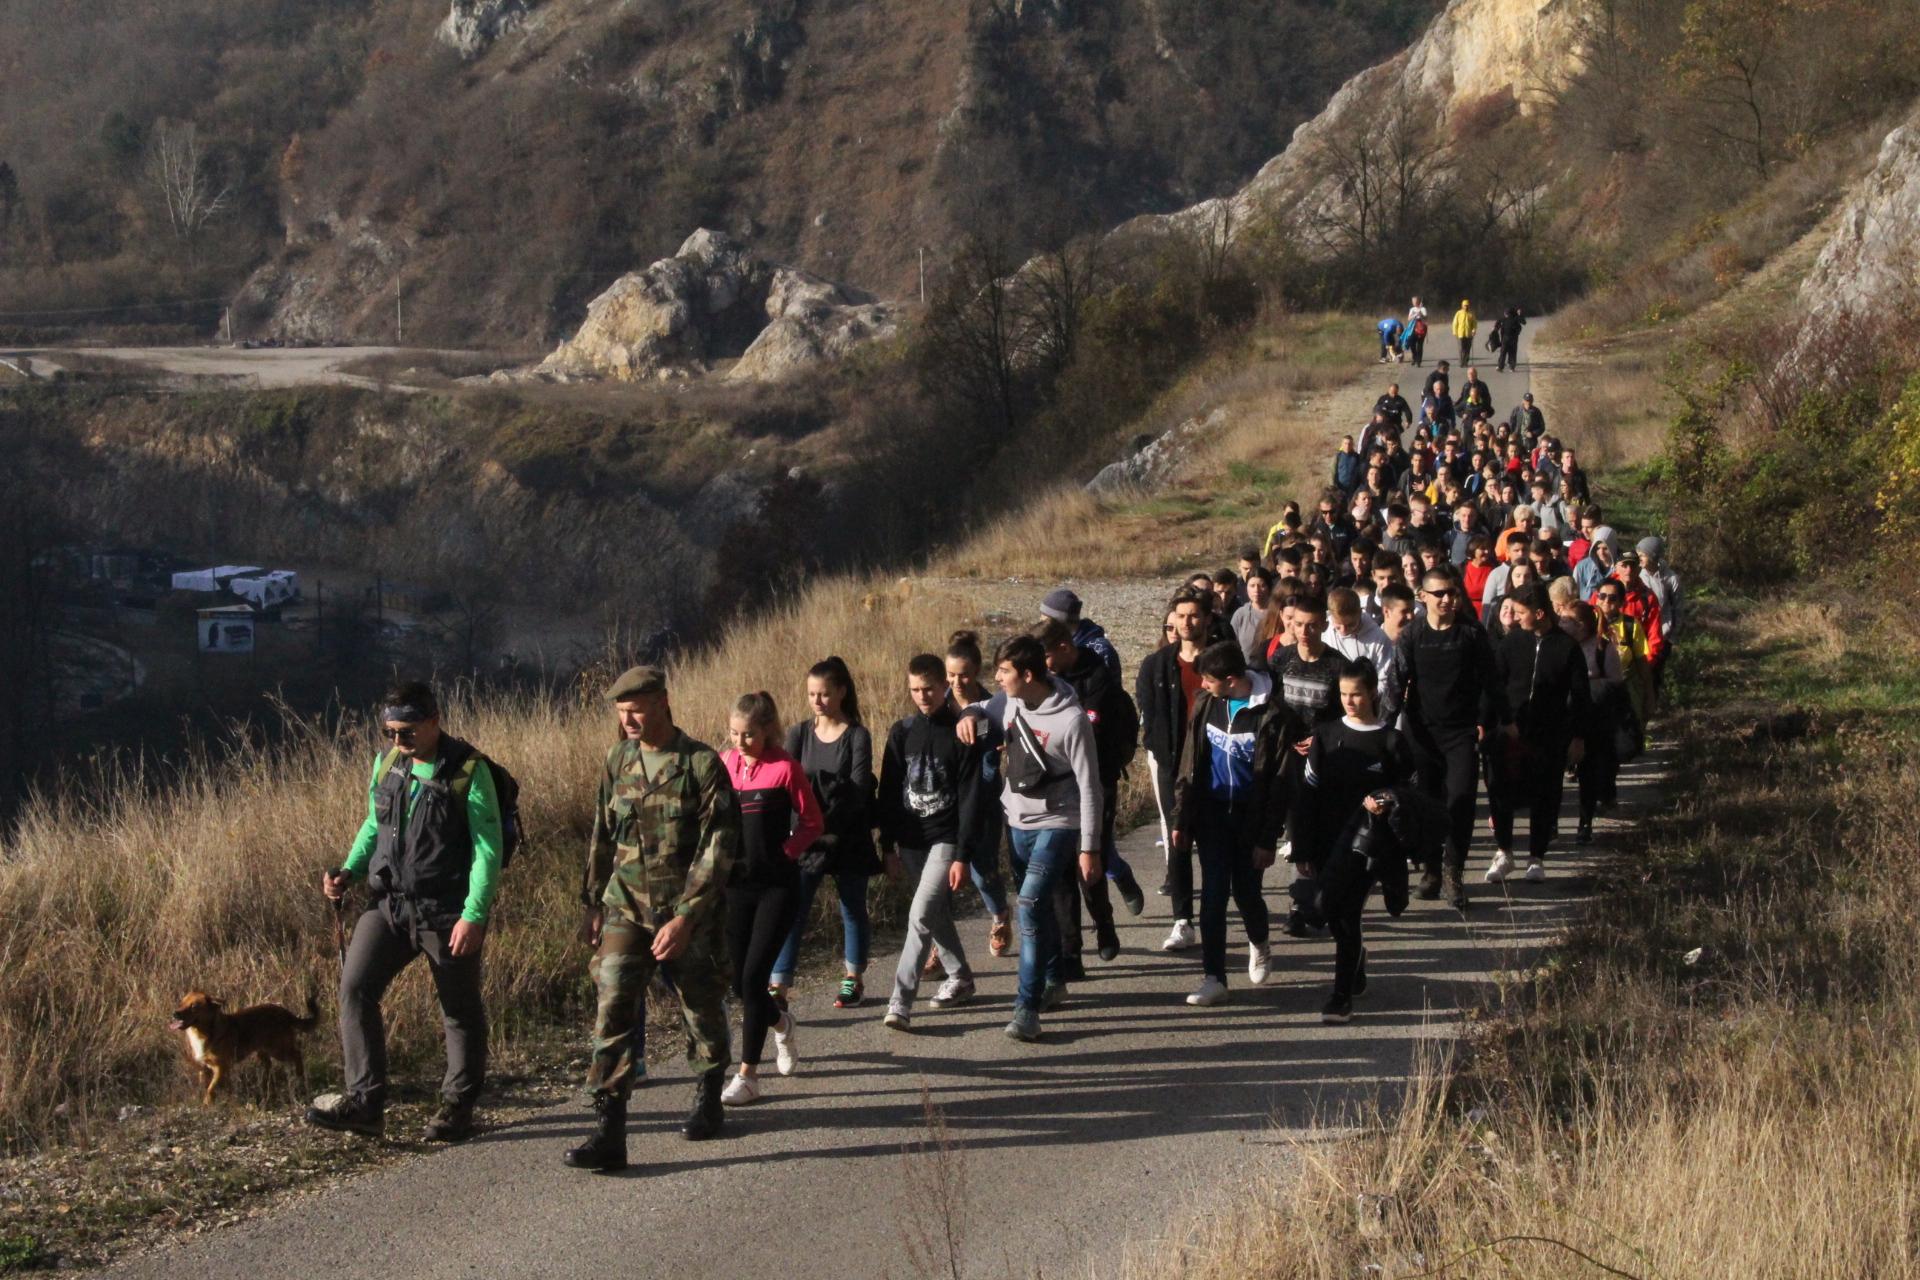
(261, 368)
(1134, 1113)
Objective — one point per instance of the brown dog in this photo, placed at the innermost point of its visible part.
(218, 1041)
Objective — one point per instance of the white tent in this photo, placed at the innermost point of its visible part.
(267, 590)
(215, 578)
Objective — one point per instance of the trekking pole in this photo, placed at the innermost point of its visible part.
(339, 906)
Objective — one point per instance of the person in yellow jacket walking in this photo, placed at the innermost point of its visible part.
(1465, 324)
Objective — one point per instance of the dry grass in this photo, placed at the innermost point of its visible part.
(1614, 405)
(1278, 421)
(1717, 1074)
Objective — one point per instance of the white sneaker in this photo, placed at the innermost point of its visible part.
(952, 992)
(1536, 870)
(785, 1056)
(1183, 938)
(1501, 867)
(741, 1091)
(1212, 991)
(1257, 963)
(898, 1019)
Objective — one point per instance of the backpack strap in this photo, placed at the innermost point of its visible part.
(388, 760)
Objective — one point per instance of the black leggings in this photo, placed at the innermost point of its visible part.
(759, 918)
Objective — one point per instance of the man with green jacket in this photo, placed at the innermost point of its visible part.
(430, 850)
(666, 832)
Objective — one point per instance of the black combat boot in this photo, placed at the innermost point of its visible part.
(452, 1123)
(707, 1116)
(1453, 886)
(349, 1115)
(1430, 884)
(606, 1150)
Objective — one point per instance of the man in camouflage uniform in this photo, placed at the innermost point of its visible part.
(665, 836)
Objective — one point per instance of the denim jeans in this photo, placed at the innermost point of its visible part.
(1043, 861)
(984, 866)
(855, 924)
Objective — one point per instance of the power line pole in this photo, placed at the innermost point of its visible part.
(399, 317)
(923, 275)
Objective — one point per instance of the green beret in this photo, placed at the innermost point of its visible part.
(636, 681)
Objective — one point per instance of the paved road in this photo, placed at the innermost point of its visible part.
(1134, 1112)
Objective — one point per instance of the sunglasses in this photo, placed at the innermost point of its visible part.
(1445, 593)
(399, 735)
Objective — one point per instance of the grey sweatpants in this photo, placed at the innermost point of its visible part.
(929, 922)
(385, 941)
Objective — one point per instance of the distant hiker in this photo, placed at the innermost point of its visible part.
(1526, 421)
(1063, 605)
(666, 838)
(836, 750)
(1348, 466)
(430, 850)
(1508, 328)
(780, 820)
(1247, 619)
(1599, 769)
(1439, 380)
(1541, 690)
(929, 806)
(1465, 325)
(1415, 333)
(1389, 331)
(1474, 393)
(1233, 792)
(1394, 406)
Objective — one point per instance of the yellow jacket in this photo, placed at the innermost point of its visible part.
(1464, 323)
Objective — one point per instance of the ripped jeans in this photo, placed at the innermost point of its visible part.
(1046, 863)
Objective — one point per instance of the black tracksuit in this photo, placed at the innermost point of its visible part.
(1116, 727)
(1544, 696)
(1163, 709)
(1448, 686)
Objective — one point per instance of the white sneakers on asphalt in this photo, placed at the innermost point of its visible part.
(741, 1091)
(952, 992)
(1500, 868)
(785, 1056)
(1212, 991)
(1536, 870)
(1183, 938)
(1259, 963)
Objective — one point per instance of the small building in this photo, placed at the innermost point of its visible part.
(226, 629)
(268, 590)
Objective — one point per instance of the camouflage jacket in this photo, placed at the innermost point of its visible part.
(666, 843)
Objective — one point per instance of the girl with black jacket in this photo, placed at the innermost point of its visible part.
(837, 752)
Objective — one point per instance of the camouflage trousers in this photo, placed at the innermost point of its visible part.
(621, 969)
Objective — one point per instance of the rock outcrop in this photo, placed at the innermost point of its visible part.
(1866, 270)
(1474, 51)
(711, 301)
(1158, 460)
(471, 26)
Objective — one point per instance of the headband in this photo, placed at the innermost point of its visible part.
(406, 713)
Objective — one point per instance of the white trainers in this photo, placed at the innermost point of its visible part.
(1183, 938)
(952, 992)
(1536, 870)
(1212, 991)
(785, 1056)
(1258, 963)
(1501, 867)
(897, 1018)
(741, 1091)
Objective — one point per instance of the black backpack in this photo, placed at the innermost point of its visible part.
(1028, 771)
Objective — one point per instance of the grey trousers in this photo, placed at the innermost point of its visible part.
(385, 941)
(929, 923)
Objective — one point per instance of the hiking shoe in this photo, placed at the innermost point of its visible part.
(1501, 867)
(1025, 1025)
(741, 1091)
(1536, 870)
(707, 1117)
(1053, 995)
(1583, 834)
(952, 992)
(453, 1122)
(1338, 1011)
(1183, 937)
(605, 1151)
(1131, 895)
(786, 1055)
(1210, 992)
(897, 1018)
(1360, 975)
(999, 937)
(1259, 963)
(1429, 886)
(1453, 887)
(1109, 940)
(852, 988)
(346, 1115)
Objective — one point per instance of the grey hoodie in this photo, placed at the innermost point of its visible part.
(1074, 801)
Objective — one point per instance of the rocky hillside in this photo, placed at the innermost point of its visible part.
(497, 163)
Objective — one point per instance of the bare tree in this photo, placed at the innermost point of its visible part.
(1384, 172)
(974, 329)
(186, 180)
(1055, 289)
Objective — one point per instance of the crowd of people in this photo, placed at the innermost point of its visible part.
(1453, 614)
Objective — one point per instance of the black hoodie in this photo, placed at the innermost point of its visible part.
(929, 784)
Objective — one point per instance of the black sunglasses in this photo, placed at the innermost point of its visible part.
(1444, 593)
(399, 735)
